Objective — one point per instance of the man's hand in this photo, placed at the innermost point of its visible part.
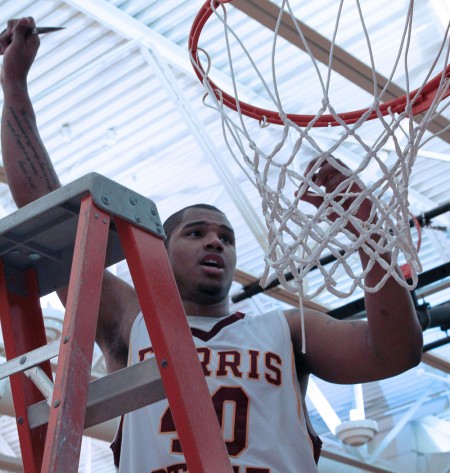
(19, 49)
(330, 178)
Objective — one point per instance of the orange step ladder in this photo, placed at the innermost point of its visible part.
(67, 238)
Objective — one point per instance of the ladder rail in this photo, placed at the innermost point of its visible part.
(183, 379)
(23, 330)
(67, 411)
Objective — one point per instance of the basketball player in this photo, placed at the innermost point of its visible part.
(254, 367)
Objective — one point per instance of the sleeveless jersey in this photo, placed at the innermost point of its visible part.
(249, 368)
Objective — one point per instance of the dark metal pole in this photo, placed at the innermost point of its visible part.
(436, 344)
(252, 289)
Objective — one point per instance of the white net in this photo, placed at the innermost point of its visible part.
(299, 236)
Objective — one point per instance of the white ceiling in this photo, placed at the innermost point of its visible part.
(115, 93)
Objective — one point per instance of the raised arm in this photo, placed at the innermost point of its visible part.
(388, 343)
(27, 166)
(30, 175)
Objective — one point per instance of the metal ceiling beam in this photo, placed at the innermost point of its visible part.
(198, 130)
(267, 13)
(125, 25)
(436, 362)
(132, 29)
(351, 461)
(277, 293)
(399, 425)
(9, 463)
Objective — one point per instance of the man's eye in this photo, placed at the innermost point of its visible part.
(227, 240)
(194, 233)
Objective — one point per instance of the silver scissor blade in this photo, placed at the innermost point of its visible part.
(40, 30)
(45, 29)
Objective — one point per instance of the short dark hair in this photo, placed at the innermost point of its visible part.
(175, 219)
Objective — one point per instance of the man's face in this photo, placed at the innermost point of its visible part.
(202, 254)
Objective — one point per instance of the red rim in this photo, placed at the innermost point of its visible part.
(421, 103)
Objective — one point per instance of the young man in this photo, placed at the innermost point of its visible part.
(247, 361)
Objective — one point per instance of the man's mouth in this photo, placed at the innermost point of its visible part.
(212, 261)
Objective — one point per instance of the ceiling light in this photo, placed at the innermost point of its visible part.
(357, 432)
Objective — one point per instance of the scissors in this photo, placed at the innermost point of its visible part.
(41, 30)
(45, 29)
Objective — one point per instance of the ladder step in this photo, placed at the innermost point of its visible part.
(30, 359)
(113, 395)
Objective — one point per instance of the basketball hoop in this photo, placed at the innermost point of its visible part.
(298, 237)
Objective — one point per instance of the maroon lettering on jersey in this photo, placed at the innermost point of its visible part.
(229, 360)
(224, 396)
(179, 468)
(253, 362)
(273, 364)
(204, 354)
(250, 469)
(168, 427)
(144, 352)
(240, 402)
(182, 467)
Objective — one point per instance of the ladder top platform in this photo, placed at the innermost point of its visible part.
(41, 235)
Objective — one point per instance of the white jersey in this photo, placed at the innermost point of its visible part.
(249, 368)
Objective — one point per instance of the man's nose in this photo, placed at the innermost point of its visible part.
(212, 240)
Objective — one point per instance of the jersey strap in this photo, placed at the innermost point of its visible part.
(205, 336)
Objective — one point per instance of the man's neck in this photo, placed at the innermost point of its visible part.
(210, 310)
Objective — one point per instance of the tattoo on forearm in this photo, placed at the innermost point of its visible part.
(21, 163)
(34, 164)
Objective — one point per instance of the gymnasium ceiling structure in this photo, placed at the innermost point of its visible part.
(115, 93)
